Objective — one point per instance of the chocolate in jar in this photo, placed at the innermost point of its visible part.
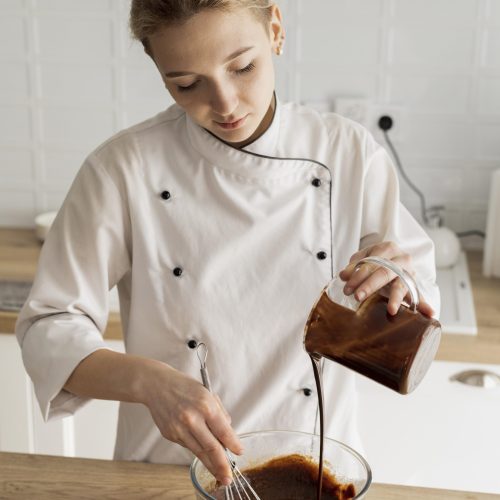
(395, 351)
(292, 477)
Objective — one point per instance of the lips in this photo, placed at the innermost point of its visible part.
(230, 125)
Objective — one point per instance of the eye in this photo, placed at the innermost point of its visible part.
(188, 87)
(246, 69)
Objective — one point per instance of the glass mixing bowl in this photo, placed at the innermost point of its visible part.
(346, 464)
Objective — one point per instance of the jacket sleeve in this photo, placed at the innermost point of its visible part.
(84, 255)
(384, 218)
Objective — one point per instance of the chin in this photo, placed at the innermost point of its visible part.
(235, 136)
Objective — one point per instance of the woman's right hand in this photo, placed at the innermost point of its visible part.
(188, 414)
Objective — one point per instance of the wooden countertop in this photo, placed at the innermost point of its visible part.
(19, 251)
(42, 477)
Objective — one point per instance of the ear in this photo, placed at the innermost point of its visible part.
(276, 30)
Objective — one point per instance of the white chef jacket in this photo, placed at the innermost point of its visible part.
(211, 243)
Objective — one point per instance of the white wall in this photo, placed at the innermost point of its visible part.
(71, 77)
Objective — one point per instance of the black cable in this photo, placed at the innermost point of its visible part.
(385, 123)
(407, 179)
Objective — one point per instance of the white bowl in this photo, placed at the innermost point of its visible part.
(43, 222)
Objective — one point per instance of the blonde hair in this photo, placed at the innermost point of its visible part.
(147, 17)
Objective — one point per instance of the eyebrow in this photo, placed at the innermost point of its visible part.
(234, 55)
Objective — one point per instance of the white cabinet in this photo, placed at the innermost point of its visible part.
(90, 433)
(443, 435)
(16, 410)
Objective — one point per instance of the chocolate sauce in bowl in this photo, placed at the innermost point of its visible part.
(297, 477)
(291, 477)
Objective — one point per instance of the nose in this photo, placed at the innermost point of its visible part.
(223, 99)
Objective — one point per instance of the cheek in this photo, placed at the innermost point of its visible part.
(185, 100)
(174, 94)
(266, 72)
(262, 85)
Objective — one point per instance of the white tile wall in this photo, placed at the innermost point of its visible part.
(432, 93)
(60, 37)
(319, 45)
(60, 167)
(492, 54)
(489, 96)
(16, 206)
(436, 12)
(494, 13)
(15, 85)
(317, 83)
(74, 5)
(439, 137)
(489, 141)
(16, 166)
(15, 125)
(12, 36)
(71, 77)
(433, 47)
(69, 125)
(77, 82)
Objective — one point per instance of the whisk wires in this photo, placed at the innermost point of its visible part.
(240, 488)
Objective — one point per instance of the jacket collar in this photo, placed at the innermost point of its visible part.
(267, 143)
(255, 161)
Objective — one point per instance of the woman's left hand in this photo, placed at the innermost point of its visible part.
(369, 278)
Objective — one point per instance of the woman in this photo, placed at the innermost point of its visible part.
(220, 219)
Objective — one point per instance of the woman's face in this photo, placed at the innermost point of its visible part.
(218, 67)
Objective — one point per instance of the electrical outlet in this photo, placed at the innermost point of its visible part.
(368, 113)
(323, 106)
(397, 115)
(355, 108)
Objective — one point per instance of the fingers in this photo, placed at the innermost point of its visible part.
(387, 250)
(204, 446)
(228, 417)
(369, 278)
(209, 441)
(221, 429)
(206, 432)
(398, 292)
(426, 309)
(186, 413)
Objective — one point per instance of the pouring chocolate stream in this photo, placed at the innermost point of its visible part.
(395, 351)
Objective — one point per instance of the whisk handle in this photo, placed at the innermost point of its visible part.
(202, 353)
(205, 379)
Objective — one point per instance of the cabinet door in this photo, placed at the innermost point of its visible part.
(95, 425)
(16, 409)
(443, 435)
(90, 433)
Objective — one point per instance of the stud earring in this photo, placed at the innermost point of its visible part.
(279, 49)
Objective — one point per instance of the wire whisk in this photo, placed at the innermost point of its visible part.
(240, 488)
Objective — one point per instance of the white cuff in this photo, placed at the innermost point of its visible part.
(52, 348)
